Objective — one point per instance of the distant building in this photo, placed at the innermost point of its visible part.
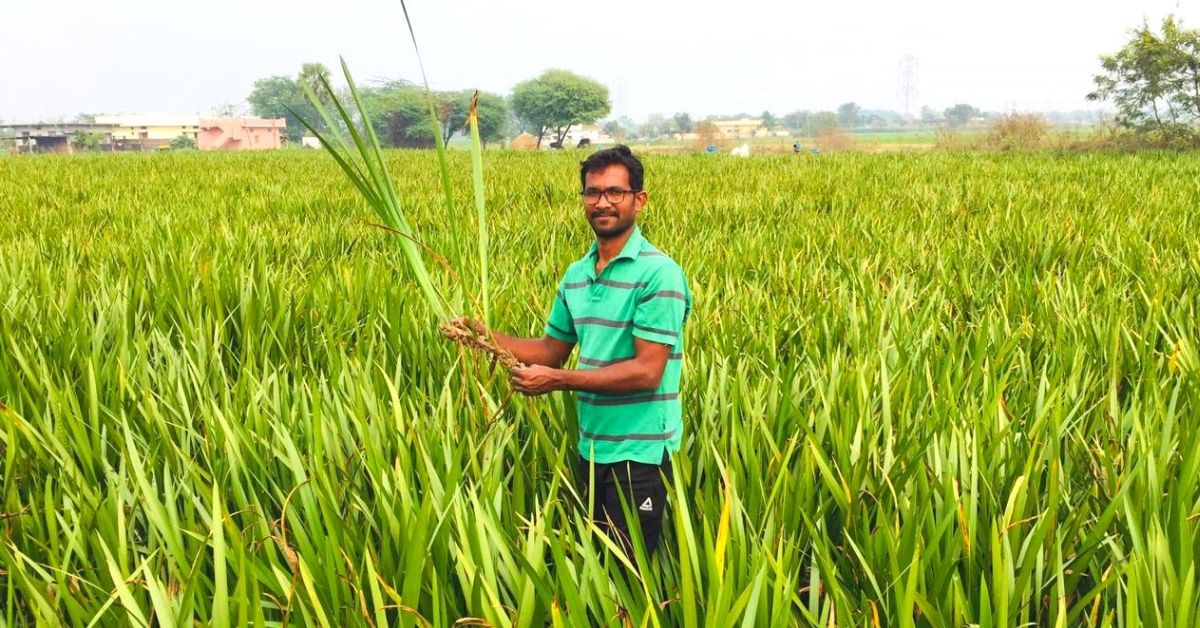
(51, 137)
(141, 132)
(739, 129)
(240, 133)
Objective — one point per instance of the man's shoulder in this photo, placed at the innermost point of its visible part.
(653, 260)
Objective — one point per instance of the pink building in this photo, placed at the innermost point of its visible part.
(240, 133)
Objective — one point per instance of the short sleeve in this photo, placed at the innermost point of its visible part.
(662, 308)
(561, 325)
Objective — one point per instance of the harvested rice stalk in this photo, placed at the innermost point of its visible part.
(461, 330)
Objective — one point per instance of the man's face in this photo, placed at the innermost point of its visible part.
(607, 218)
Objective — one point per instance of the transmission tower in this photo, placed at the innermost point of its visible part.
(907, 83)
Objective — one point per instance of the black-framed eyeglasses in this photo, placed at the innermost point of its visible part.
(591, 196)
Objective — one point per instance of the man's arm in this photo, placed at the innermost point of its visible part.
(544, 351)
(556, 343)
(552, 349)
(641, 373)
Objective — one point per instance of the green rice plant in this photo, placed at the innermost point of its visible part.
(434, 124)
(366, 169)
(480, 205)
(910, 398)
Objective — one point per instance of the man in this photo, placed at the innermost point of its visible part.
(624, 304)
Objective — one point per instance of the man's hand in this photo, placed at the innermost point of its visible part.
(472, 324)
(535, 380)
(546, 350)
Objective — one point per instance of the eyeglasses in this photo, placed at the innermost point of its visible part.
(591, 196)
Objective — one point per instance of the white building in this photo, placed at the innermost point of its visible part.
(742, 128)
(592, 132)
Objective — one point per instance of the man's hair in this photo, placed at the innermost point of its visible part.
(619, 154)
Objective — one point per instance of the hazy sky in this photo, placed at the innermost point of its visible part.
(164, 56)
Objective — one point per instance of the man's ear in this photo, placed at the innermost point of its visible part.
(641, 199)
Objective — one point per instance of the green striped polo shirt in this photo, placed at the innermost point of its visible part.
(641, 293)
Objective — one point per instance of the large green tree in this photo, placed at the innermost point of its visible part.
(283, 97)
(279, 97)
(557, 100)
(848, 114)
(399, 110)
(822, 121)
(492, 112)
(400, 114)
(315, 76)
(683, 122)
(655, 126)
(796, 121)
(960, 114)
(613, 129)
(1154, 81)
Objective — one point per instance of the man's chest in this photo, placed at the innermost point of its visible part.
(604, 301)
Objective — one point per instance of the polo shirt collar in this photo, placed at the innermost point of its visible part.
(632, 247)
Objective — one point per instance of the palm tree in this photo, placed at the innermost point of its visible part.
(311, 75)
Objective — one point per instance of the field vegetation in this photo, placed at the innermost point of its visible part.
(933, 389)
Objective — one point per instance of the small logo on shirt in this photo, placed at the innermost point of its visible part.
(647, 505)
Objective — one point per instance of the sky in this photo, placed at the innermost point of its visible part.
(59, 59)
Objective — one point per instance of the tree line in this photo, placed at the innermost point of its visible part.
(1153, 81)
(547, 106)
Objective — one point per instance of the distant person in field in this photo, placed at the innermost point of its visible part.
(624, 303)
